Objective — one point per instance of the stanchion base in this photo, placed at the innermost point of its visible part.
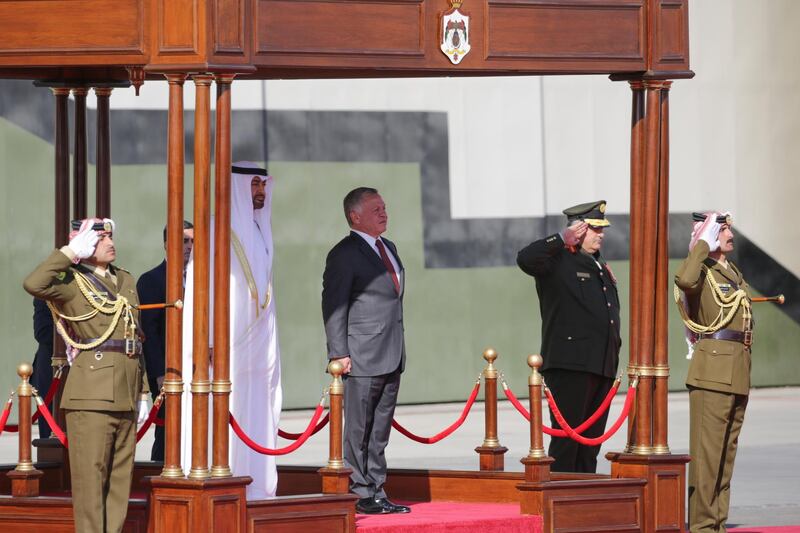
(491, 459)
(335, 480)
(664, 494)
(214, 504)
(537, 474)
(25, 483)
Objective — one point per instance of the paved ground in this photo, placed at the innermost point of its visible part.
(766, 482)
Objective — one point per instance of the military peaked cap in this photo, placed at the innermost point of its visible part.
(721, 219)
(593, 213)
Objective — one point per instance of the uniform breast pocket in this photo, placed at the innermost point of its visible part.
(92, 380)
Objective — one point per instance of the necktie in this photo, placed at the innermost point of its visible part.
(388, 264)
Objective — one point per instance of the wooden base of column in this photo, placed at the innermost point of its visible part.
(335, 480)
(25, 483)
(492, 458)
(664, 506)
(537, 474)
(214, 504)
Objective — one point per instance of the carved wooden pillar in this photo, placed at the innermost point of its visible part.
(221, 386)
(61, 228)
(173, 379)
(200, 385)
(647, 454)
(661, 349)
(199, 502)
(79, 163)
(103, 187)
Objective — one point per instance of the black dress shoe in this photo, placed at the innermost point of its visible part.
(370, 506)
(392, 507)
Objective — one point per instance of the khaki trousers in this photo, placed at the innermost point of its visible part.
(715, 420)
(101, 450)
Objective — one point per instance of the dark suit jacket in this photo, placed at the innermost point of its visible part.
(43, 333)
(363, 313)
(152, 288)
(579, 305)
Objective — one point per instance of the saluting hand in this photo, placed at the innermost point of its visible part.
(575, 232)
(709, 232)
(83, 244)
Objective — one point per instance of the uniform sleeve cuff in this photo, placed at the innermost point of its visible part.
(66, 250)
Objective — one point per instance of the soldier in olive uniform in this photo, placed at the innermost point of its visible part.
(716, 311)
(579, 304)
(93, 301)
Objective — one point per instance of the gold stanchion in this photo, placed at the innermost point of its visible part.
(491, 453)
(335, 475)
(25, 477)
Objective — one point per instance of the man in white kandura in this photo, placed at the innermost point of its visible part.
(254, 354)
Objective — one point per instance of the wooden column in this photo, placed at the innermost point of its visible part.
(335, 475)
(661, 349)
(537, 462)
(491, 453)
(636, 232)
(200, 385)
(61, 228)
(199, 502)
(221, 386)
(103, 187)
(173, 379)
(647, 455)
(79, 159)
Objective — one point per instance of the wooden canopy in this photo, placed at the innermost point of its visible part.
(99, 40)
(76, 45)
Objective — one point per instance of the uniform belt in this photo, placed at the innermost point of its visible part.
(745, 337)
(116, 345)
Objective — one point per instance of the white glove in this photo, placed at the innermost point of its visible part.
(144, 410)
(709, 232)
(84, 243)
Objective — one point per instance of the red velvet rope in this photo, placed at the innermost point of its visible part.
(278, 451)
(560, 432)
(597, 440)
(13, 428)
(294, 436)
(59, 433)
(4, 416)
(151, 417)
(48, 399)
(448, 430)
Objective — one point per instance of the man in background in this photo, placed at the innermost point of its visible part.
(152, 288)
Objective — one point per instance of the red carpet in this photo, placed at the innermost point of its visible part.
(448, 517)
(765, 529)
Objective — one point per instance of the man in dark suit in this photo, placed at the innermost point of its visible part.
(580, 326)
(152, 288)
(362, 307)
(42, 376)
